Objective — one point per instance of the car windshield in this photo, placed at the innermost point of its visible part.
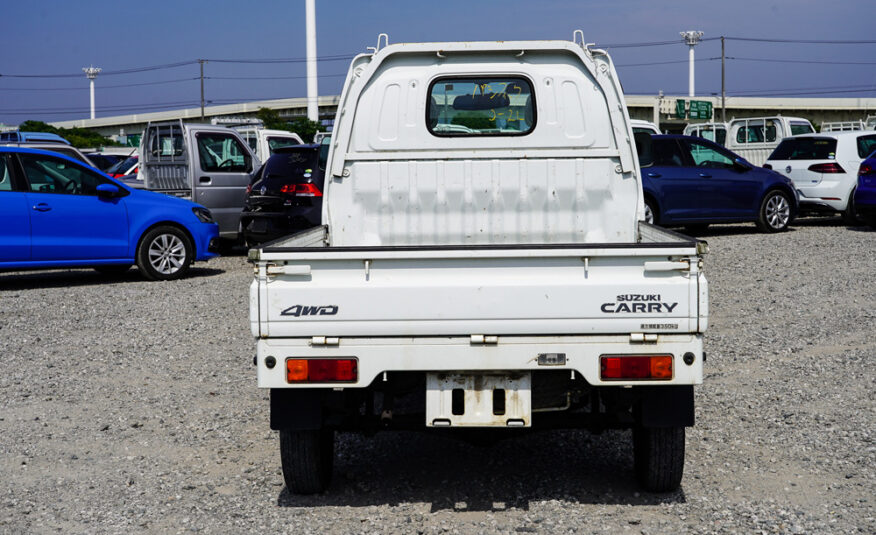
(805, 148)
(295, 165)
(123, 166)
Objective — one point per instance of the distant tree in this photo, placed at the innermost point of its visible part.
(78, 137)
(300, 125)
(305, 128)
(271, 119)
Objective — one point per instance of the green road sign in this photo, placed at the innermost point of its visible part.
(679, 108)
(700, 109)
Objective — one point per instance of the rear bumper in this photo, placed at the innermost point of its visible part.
(266, 226)
(459, 354)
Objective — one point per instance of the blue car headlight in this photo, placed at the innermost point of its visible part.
(203, 215)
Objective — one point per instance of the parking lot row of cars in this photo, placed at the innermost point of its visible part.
(58, 209)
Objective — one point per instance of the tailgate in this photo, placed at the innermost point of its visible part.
(484, 290)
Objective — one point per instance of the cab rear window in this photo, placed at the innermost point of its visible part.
(866, 146)
(807, 148)
(480, 106)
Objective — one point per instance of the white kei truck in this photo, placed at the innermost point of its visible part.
(483, 265)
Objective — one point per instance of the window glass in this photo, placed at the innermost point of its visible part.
(866, 145)
(805, 148)
(707, 156)
(757, 132)
(481, 106)
(667, 153)
(5, 176)
(801, 128)
(54, 175)
(166, 141)
(223, 153)
(275, 142)
(123, 166)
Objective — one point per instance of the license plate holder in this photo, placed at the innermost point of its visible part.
(501, 399)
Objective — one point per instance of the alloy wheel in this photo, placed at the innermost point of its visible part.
(167, 254)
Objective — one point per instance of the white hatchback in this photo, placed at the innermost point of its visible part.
(824, 168)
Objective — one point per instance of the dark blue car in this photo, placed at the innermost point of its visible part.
(693, 182)
(57, 212)
(865, 193)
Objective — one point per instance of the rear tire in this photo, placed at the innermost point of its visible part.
(850, 214)
(775, 212)
(307, 457)
(658, 454)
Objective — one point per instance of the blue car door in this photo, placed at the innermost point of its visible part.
(14, 216)
(735, 188)
(680, 191)
(69, 221)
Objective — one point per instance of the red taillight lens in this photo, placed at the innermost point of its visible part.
(767, 166)
(831, 167)
(301, 190)
(249, 189)
(321, 370)
(636, 367)
(865, 169)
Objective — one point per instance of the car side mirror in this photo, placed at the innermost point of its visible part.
(107, 191)
(741, 165)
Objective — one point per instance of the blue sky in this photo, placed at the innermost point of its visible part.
(59, 37)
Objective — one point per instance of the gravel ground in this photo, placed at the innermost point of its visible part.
(131, 406)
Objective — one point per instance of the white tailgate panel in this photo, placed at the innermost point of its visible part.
(423, 297)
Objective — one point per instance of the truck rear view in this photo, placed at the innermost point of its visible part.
(483, 265)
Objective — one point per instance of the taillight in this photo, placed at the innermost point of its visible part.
(865, 169)
(767, 166)
(321, 370)
(248, 189)
(301, 190)
(831, 167)
(636, 367)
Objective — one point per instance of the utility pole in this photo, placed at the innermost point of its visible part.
(312, 87)
(91, 73)
(202, 61)
(723, 86)
(692, 38)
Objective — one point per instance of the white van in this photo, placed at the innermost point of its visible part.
(755, 138)
(644, 126)
(263, 141)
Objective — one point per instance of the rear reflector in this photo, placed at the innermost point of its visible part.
(321, 370)
(636, 367)
(301, 190)
(831, 167)
(767, 166)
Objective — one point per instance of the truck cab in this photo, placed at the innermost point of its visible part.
(211, 165)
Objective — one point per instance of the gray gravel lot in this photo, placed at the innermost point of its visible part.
(131, 406)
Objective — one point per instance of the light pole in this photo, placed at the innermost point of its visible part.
(312, 89)
(692, 38)
(91, 73)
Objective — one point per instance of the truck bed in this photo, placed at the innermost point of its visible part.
(305, 289)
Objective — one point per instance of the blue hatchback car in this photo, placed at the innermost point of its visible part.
(57, 212)
(865, 193)
(693, 182)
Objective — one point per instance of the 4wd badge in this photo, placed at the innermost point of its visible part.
(302, 310)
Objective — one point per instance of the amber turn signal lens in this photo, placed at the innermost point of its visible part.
(296, 370)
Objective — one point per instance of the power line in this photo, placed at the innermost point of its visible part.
(101, 87)
(271, 77)
(803, 41)
(804, 61)
(104, 73)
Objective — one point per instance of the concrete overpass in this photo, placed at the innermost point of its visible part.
(658, 109)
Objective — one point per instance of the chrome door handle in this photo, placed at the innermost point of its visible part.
(654, 175)
(42, 207)
(704, 175)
